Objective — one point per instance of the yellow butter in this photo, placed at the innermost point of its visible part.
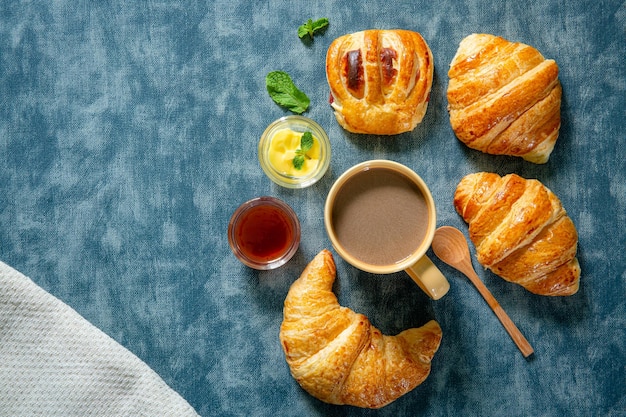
(282, 150)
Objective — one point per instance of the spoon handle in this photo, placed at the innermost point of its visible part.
(517, 336)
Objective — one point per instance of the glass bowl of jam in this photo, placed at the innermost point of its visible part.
(294, 151)
(264, 233)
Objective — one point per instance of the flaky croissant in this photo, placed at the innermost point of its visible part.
(521, 231)
(379, 80)
(504, 98)
(338, 356)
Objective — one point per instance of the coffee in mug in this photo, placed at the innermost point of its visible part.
(381, 218)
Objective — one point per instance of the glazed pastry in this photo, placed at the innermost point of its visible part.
(521, 232)
(504, 98)
(379, 80)
(338, 356)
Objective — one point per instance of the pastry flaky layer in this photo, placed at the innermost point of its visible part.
(379, 80)
(521, 231)
(338, 356)
(504, 98)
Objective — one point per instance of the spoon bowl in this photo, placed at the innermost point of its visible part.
(450, 245)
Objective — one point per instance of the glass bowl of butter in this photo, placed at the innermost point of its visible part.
(294, 151)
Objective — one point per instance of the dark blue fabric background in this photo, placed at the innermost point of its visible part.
(128, 134)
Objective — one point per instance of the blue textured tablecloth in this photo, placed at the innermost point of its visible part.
(128, 134)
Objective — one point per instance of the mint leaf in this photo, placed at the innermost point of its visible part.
(284, 92)
(298, 161)
(320, 24)
(306, 29)
(310, 27)
(306, 142)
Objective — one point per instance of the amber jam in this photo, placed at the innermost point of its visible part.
(264, 233)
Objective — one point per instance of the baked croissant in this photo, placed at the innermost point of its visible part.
(504, 98)
(379, 80)
(521, 232)
(338, 356)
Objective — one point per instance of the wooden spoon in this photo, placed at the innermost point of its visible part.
(451, 247)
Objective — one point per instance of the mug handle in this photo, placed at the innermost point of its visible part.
(429, 278)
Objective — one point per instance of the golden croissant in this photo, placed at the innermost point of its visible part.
(379, 80)
(521, 231)
(338, 356)
(504, 98)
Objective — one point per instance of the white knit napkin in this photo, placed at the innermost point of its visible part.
(53, 362)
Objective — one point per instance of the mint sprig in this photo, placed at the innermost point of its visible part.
(306, 143)
(310, 27)
(285, 93)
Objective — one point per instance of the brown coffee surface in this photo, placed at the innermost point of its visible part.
(380, 217)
